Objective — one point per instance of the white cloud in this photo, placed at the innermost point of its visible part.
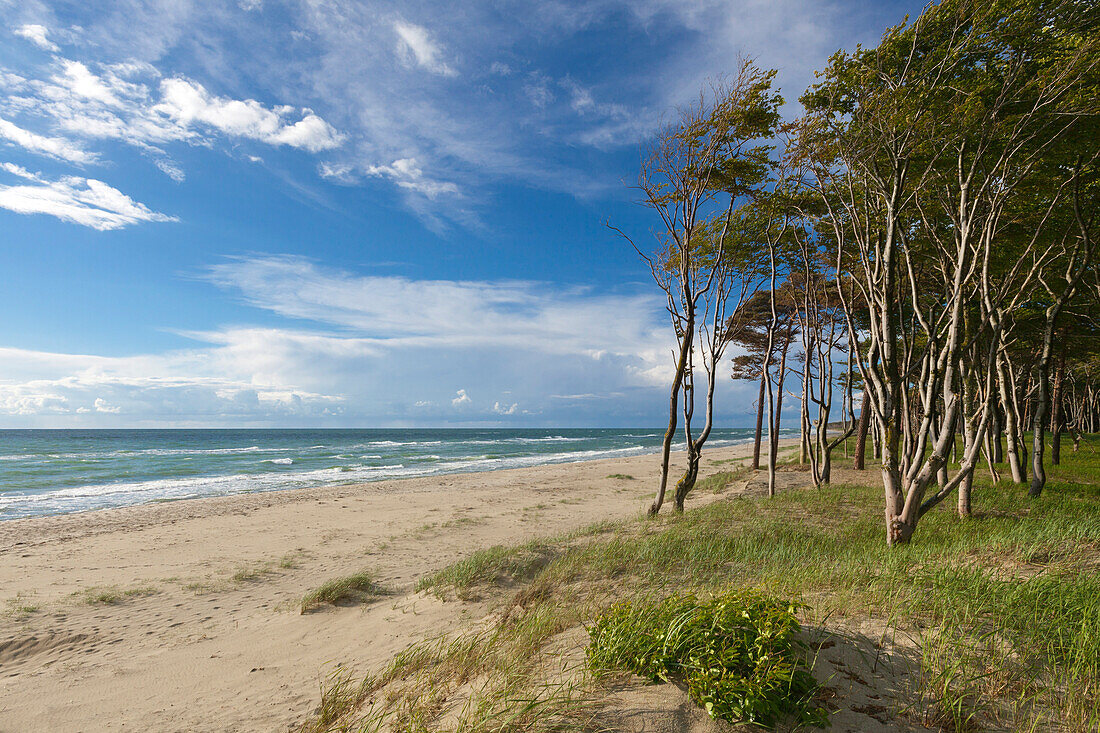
(80, 81)
(538, 91)
(473, 131)
(376, 350)
(84, 201)
(407, 175)
(415, 45)
(187, 102)
(170, 169)
(202, 384)
(101, 405)
(131, 103)
(38, 35)
(338, 172)
(400, 311)
(18, 170)
(54, 147)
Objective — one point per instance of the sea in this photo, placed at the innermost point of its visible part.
(44, 472)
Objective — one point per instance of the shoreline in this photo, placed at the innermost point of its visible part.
(8, 526)
(183, 615)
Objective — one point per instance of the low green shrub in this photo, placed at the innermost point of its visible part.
(737, 653)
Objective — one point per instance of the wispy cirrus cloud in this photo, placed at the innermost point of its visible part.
(131, 102)
(416, 46)
(396, 310)
(69, 105)
(85, 201)
(74, 105)
(54, 147)
(38, 35)
(511, 115)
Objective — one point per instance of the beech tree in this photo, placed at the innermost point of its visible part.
(692, 177)
(916, 148)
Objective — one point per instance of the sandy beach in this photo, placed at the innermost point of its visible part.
(183, 616)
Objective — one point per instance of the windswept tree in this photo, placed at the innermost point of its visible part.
(698, 169)
(916, 148)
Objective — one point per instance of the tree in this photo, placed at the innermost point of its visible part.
(714, 155)
(915, 149)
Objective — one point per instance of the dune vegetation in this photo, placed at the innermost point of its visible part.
(995, 617)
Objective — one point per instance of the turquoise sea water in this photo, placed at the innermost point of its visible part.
(59, 471)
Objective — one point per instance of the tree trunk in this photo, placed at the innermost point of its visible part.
(695, 447)
(773, 437)
(941, 474)
(673, 403)
(998, 455)
(759, 423)
(1007, 387)
(1042, 402)
(861, 436)
(969, 439)
(898, 529)
(1056, 417)
(964, 495)
(687, 481)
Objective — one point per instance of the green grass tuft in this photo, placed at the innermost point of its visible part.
(718, 482)
(358, 587)
(494, 565)
(110, 596)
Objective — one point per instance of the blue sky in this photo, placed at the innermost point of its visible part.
(325, 213)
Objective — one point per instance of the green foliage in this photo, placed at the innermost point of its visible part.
(737, 653)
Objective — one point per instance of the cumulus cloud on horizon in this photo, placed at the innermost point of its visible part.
(359, 348)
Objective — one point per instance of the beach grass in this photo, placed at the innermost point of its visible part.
(109, 596)
(497, 565)
(358, 587)
(1003, 606)
(21, 606)
(718, 482)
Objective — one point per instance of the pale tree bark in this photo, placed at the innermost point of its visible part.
(861, 433)
(1006, 383)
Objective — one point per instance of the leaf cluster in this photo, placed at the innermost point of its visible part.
(738, 653)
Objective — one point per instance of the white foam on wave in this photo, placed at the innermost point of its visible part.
(105, 495)
(397, 443)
